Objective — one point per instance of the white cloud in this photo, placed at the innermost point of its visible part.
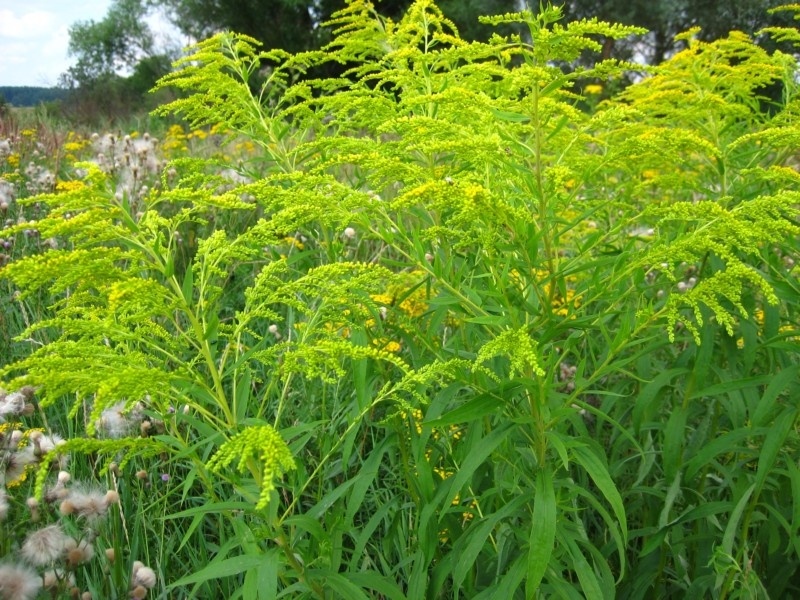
(29, 25)
(34, 37)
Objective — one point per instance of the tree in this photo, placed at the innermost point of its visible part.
(667, 18)
(117, 42)
(294, 25)
(121, 41)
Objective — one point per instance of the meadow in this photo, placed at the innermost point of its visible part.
(469, 321)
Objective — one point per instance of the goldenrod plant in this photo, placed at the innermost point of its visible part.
(457, 323)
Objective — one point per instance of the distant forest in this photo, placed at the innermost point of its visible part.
(30, 96)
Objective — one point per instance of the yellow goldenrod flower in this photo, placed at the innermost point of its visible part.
(69, 186)
(13, 160)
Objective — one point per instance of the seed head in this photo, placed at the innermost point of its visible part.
(44, 546)
(89, 504)
(78, 552)
(4, 506)
(144, 576)
(139, 592)
(55, 578)
(18, 582)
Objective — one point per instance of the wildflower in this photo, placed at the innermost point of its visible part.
(44, 546)
(593, 89)
(18, 582)
(350, 233)
(387, 345)
(69, 186)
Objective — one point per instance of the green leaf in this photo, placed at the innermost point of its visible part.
(375, 581)
(786, 378)
(772, 445)
(337, 583)
(731, 386)
(476, 408)
(727, 442)
(220, 569)
(591, 587)
(598, 471)
(366, 476)
(543, 531)
(470, 545)
(649, 392)
(507, 115)
(673, 439)
(187, 287)
(476, 457)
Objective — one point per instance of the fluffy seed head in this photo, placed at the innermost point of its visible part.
(90, 504)
(78, 552)
(44, 546)
(18, 582)
(144, 576)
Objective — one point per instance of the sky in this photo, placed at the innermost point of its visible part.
(34, 36)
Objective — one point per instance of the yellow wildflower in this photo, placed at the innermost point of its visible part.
(69, 186)
(13, 160)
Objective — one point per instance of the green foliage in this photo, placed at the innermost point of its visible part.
(462, 331)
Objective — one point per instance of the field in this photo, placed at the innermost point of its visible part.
(460, 323)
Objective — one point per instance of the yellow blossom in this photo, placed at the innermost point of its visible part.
(69, 186)
(13, 160)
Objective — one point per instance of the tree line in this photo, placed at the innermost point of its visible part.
(29, 95)
(123, 40)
